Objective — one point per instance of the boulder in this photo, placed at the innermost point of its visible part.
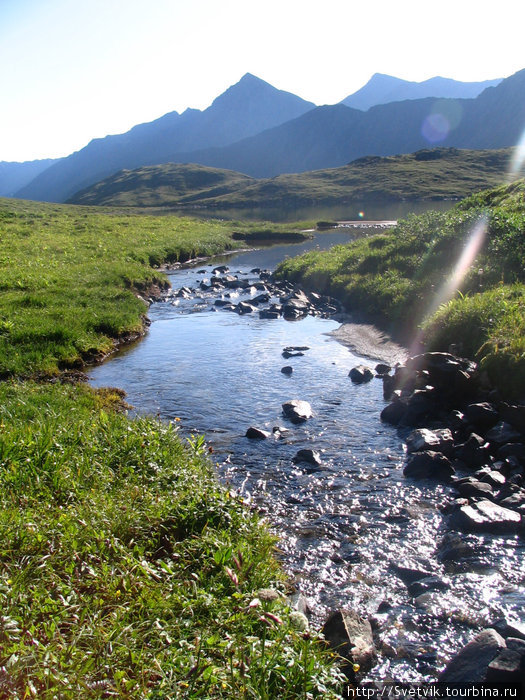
(309, 456)
(471, 488)
(485, 516)
(429, 583)
(361, 374)
(410, 571)
(287, 369)
(429, 465)
(394, 412)
(244, 308)
(474, 452)
(350, 635)
(257, 434)
(483, 415)
(382, 369)
(502, 433)
(471, 664)
(507, 667)
(297, 410)
(422, 440)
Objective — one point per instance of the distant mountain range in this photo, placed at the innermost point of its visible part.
(14, 176)
(382, 89)
(438, 173)
(260, 131)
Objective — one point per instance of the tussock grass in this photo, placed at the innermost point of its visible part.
(396, 279)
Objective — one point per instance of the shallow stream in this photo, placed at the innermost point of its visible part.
(344, 524)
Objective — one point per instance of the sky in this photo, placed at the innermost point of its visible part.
(75, 70)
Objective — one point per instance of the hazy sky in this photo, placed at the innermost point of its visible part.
(73, 70)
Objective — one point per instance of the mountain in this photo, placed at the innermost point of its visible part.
(246, 108)
(14, 176)
(382, 89)
(169, 184)
(438, 173)
(331, 136)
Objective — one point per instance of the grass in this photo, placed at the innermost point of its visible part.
(438, 173)
(400, 279)
(71, 278)
(126, 570)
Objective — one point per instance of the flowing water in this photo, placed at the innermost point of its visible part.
(344, 524)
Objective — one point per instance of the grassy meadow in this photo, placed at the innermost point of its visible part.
(404, 280)
(126, 570)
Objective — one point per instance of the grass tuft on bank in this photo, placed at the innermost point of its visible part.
(419, 282)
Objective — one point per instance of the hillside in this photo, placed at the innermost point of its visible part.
(438, 173)
(381, 89)
(246, 108)
(14, 176)
(332, 136)
(167, 185)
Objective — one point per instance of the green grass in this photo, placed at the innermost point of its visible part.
(126, 571)
(71, 277)
(399, 280)
(438, 173)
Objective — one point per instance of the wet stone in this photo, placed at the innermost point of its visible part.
(309, 456)
(485, 516)
(297, 410)
(257, 433)
(471, 664)
(422, 440)
(429, 465)
(361, 374)
(287, 369)
(502, 433)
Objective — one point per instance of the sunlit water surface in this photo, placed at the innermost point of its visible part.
(340, 526)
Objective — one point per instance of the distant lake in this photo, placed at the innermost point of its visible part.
(342, 212)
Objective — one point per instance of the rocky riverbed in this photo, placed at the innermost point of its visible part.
(227, 349)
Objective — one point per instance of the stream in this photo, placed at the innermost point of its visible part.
(344, 524)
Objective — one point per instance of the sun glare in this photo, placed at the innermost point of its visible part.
(451, 285)
(518, 159)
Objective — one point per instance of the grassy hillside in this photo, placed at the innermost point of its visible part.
(165, 185)
(126, 570)
(439, 173)
(72, 277)
(412, 277)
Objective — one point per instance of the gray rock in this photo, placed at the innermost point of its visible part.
(429, 465)
(471, 664)
(507, 667)
(287, 369)
(471, 488)
(485, 516)
(297, 410)
(422, 440)
(502, 433)
(308, 455)
(382, 369)
(361, 374)
(394, 412)
(411, 571)
(257, 434)
(429, 583)
(482, 414)
(351, 637)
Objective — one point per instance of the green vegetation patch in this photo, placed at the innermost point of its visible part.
(71, 278)
(126, 571)
(421, 274)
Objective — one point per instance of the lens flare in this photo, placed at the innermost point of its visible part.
(517, 160)
(435, 128)
(452, 284)
(361, 214)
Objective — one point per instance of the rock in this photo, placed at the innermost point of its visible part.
(429, 465)
(422, 440)
(512, 449)
(515, 415)
(361, 374)
(244, 308)
(507, 667)
(267, 313)
(287, 354)
(297, 410)
(506, 628)
(295, 309)
(429, 583)
(482, 415)
(485, 516)
(308, 455)
(222, 302)
(394, 412)
(287, 369)
(411, 571)
(453, 548)
(260, 299)
(471, 488)
(474, 453)
(257, 434)
(502, 433)
(471, 664)
(382, 369)
(351, 637)
(491, 476)
(221, 270)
